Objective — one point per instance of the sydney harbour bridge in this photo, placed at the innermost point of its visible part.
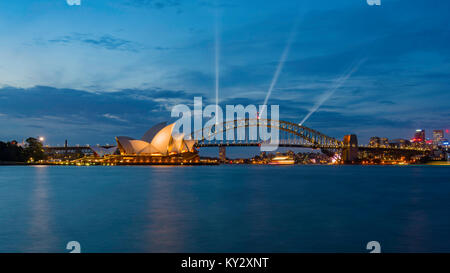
(299, 136)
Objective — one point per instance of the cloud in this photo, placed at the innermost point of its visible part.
(87, 117)
(82, 115)
(388, 102)
(114, 117)
(104, 41)
(403, 84)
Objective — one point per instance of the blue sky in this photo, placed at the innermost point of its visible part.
(88, 73)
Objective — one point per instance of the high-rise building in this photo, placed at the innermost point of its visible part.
(438, 136)
(419, 136)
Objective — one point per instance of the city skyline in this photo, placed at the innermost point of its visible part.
(62, 78)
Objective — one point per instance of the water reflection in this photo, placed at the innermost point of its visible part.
(259, 211)
(225, 209)
(416, 226)
(40, 233)
(164, 233)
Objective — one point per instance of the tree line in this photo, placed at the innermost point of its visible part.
(13, 152)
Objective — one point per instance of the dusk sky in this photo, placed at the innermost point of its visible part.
(106, 68)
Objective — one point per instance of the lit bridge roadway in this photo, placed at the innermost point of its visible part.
(290, 135)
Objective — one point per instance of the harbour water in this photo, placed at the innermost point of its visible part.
(240, 208)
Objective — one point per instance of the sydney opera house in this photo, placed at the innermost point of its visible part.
(158, 145)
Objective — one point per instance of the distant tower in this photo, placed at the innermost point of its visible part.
(350, 152)
(65, 144)
(222, 154)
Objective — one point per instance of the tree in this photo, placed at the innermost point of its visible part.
(11, 152)
(34, 149)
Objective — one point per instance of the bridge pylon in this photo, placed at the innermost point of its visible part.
(350, 149)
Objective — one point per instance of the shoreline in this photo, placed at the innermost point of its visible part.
(434, 163)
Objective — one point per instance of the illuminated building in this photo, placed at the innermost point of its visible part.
(159, 146)
(157, 141)
(438, 136)
(378, 142)
(399, 143)
(374, 141)
(419, 136)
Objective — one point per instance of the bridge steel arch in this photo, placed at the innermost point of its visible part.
(294, 135)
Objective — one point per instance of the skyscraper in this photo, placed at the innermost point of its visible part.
(438, 136)
(419, 136)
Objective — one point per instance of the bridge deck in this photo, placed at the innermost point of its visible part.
(294, 145)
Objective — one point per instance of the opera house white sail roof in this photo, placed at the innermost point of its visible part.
(158, 140)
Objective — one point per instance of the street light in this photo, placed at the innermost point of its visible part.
(41, 139)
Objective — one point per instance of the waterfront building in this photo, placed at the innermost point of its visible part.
(445, 142)
(378, 142)
(399, 143)
(438, 136)
(157, 141)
